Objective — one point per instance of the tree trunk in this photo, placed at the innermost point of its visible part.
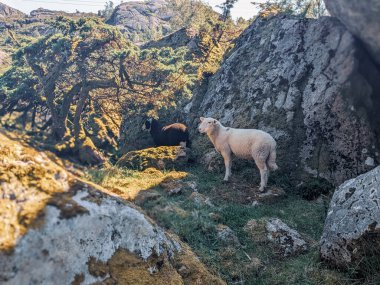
(78, 126)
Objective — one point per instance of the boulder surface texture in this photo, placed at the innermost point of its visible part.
(362, 18)
(311, 85)
(351, 235)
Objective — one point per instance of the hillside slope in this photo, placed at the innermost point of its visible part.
(143, 21)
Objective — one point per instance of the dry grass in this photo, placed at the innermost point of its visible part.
(129, 183)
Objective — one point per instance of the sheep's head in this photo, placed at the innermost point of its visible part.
(207, 125)
(147, 125)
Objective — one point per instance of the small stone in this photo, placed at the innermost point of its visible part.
(212, 160)
(200, 199)
(226, 235)
(175, 191)
(287, 239)
(255, 265)
(184, 271)
(214, 216)
(369, 161)
(192, 185)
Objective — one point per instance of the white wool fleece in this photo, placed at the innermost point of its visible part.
(244, 143)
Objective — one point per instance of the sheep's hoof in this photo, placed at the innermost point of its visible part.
(225, 181)
(261, 189)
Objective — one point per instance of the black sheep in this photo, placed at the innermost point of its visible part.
(170, 135)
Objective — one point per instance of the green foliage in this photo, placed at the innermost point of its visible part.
(84, 73)
(192, 14)
(107, 11)
(55, 83)
(226, 8)
(305, 8)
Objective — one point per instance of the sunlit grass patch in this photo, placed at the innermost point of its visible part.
(129, 183)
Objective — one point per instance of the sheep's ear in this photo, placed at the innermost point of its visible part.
(201, 118)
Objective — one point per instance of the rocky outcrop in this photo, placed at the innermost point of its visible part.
(16, 27)
(147, 18)
(181, 38)
(42, 13)
(9, 12)
(310, 85)
(285, 241)
(351, 236)
(362, 19)
(57, 227)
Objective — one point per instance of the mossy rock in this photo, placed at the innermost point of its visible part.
(163, 157)
(83, 150)
(89, 154)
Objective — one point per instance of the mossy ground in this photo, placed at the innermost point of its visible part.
(129, 183)
(255, 260)
(163, 157)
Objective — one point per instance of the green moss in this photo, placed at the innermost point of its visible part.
(163, 157)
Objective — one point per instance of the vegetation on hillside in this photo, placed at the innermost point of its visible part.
(216, 38)
(72, 86)
(305, 8)
(72, 82)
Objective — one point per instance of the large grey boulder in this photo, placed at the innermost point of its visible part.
(310, 85)
(351, 236)
(142, 20)
(362, 18)
(56, 227)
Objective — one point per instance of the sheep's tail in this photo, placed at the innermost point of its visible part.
(271, 161)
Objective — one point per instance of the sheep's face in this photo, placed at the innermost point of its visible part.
(207, 125)
(146, 126)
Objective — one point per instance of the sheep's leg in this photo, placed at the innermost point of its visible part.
(227, 163)
(264, 174)
(271, 162)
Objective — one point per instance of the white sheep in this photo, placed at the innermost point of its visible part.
(244, 143)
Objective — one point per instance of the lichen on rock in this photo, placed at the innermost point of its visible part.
(307, 82)
(288, 240)
(351, 236)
